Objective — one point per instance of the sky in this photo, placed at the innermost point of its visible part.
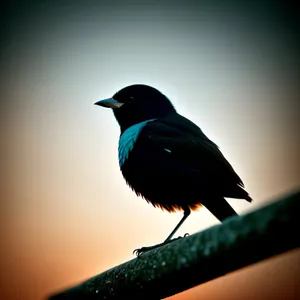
(66, 212)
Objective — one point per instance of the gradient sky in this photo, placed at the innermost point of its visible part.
(66, 212)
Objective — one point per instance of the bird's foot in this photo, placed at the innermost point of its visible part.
(139, 251)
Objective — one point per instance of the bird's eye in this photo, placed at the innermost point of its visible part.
(130, 100)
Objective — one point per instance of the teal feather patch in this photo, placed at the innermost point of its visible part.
(128, 138)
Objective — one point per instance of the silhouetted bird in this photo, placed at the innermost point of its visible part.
(168, 160)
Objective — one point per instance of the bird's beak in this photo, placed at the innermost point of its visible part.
(110, 103)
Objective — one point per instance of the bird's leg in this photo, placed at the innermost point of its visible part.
(187, 212)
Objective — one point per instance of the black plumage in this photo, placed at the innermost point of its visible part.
(168, 160)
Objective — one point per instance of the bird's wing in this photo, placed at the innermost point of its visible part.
(179, 141)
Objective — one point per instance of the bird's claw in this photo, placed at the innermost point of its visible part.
(139, 251)
(180, 237)
(136, 252)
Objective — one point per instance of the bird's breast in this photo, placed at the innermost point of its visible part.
(128, 139)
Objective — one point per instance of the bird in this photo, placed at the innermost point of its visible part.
(167, 159)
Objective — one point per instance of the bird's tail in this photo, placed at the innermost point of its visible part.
(220, 208)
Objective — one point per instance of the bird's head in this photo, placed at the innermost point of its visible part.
(137, 103)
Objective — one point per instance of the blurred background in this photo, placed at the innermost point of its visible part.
(232, 67)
